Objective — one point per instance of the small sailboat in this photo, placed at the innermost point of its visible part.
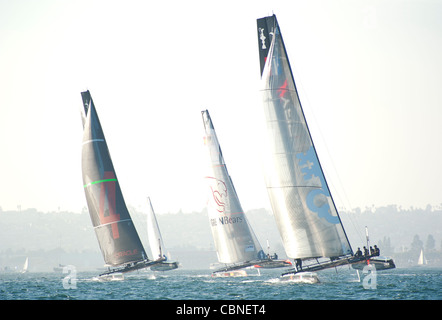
(304, 210)
(422, 260)
(236, 244)
(156, 242)
(116, 234)
(25, 266)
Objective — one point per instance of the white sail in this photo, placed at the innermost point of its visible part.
(25, 266)
(154, 234)
(422, 261)
(234, 239)
(300, 198)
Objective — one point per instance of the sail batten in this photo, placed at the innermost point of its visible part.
(303, 207)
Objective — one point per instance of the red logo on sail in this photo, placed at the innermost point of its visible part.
(219, 193)
(282, 89)
(107, 206)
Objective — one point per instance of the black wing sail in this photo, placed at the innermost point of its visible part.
(118, 239)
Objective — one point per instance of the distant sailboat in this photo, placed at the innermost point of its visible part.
(118, 239)
(25, 266)
(422, 260)
(156, 242)
(236, 244)
(305, 213)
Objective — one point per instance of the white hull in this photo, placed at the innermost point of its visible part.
(301, 277)
(111, 277)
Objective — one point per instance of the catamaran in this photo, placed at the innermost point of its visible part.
(305, 213)
(118, 239)
(156, 242)
(236, 245)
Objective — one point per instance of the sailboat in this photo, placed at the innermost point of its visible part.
(156, 242)
(116, 234)
(304, 210)
(422, 260)
(236, 245)
(25, 266)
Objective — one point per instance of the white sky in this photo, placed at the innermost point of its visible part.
(368, 73)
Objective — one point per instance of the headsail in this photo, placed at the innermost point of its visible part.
(118, 239)
(304, 210)
(234, 239)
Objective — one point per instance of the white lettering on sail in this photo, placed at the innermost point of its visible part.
(262, 37)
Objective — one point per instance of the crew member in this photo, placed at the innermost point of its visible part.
(298, 265)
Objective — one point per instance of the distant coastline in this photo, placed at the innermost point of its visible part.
(52, 238)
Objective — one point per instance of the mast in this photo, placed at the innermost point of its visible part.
(234, 239)
(304, 209)
(116, 234)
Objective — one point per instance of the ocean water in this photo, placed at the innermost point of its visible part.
(181, 284)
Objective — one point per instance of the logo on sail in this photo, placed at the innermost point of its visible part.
(317, 199)
(107, 205)
(219, 194)
(262, 37)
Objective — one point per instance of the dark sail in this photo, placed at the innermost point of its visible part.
(266, 29)
(118, 239)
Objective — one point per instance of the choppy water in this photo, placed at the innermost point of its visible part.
(341, 284)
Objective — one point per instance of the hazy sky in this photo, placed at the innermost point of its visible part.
(368, 72)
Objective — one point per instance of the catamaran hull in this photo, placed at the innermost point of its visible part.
(301, 277)
(272, 264)
(111, 277)
(232, 273)
(379, 263)
(132, 267)
(164, 266)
